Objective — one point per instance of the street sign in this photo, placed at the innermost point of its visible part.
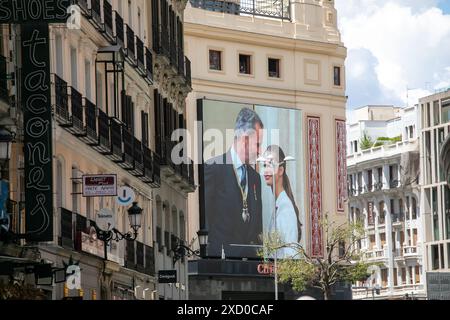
(167, 276)
(125, 196)
(105, 219)
(100, 185)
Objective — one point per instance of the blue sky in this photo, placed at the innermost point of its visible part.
(398, 50)
(444, 5)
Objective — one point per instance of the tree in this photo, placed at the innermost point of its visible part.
(342, 261)
(366, 142)
(18, 290)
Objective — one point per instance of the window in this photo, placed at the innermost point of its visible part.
(370, 180)
(75, 190)
(100, 90)
(337, 76)
(87, 77)
(274, 68)
(215, 60)
(435, 257)
(139, 23)
(411, 132)
(245, 64)
(144, 119)
(445, 113)
(130, 13)
(59, 56)
(74, 70)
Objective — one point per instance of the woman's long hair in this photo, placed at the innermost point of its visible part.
(278, 152)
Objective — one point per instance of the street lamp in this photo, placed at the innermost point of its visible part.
(269, 160)
(181, 251)
(135, 217)
(6, 140)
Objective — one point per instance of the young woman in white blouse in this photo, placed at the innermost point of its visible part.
(288, 225)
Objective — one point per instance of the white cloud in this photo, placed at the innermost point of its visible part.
(409, 40)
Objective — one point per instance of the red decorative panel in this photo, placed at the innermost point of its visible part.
(315, 186)
(341, 165)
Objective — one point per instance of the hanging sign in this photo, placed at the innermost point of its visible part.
(100, 185)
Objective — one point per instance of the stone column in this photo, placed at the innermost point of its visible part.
(386, 177)
(408, 276)
(377, 231)
(389, 242)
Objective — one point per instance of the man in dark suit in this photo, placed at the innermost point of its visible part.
(232, 191)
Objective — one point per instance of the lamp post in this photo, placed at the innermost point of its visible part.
(181, 251)
(274, 165)
(135, 218)
(6, 140)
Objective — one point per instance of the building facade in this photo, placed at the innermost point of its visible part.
(384, 195)
(119, 80)
(287, 57)
(435, 205)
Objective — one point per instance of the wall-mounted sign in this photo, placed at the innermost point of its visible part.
(29, 11)
(37, 117)
(100, 185)
(90, 244)
(34, 17)
(105, 219)
(266, 269)
(125, 196)
(167, 276)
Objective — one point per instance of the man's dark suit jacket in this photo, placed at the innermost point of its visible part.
(223, 206)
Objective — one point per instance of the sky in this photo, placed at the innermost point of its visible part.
(398, 50)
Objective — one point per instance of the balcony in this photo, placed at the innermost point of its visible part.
(394, 184)
(91, 136)
(3, 80)
(187, 73)
(398, 219)
(264, 8)
(412, 252)
(96, 13)
(140, 65)
(108, 21)
(120, 29)
(107, 135)
(151, 173)
(130, 49)
(149, 66)
(61, 100)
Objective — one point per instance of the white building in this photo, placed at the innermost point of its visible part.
(435, 203)
(384, 195)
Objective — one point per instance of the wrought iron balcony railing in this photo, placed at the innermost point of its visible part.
(3, 80)
(108, 20)
(187, 73)
(140, 56)
(96, 12)
(267, 8)
(61, 100)
(149, 65)
(131, 50)
(120, 29)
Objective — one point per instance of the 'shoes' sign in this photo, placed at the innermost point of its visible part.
(26, 11)
(34, 16)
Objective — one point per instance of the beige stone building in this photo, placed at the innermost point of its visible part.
(284, 57)
(119, 79)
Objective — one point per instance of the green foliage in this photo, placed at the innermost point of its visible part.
(342, 262)
(20, 291)
(366, 142)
